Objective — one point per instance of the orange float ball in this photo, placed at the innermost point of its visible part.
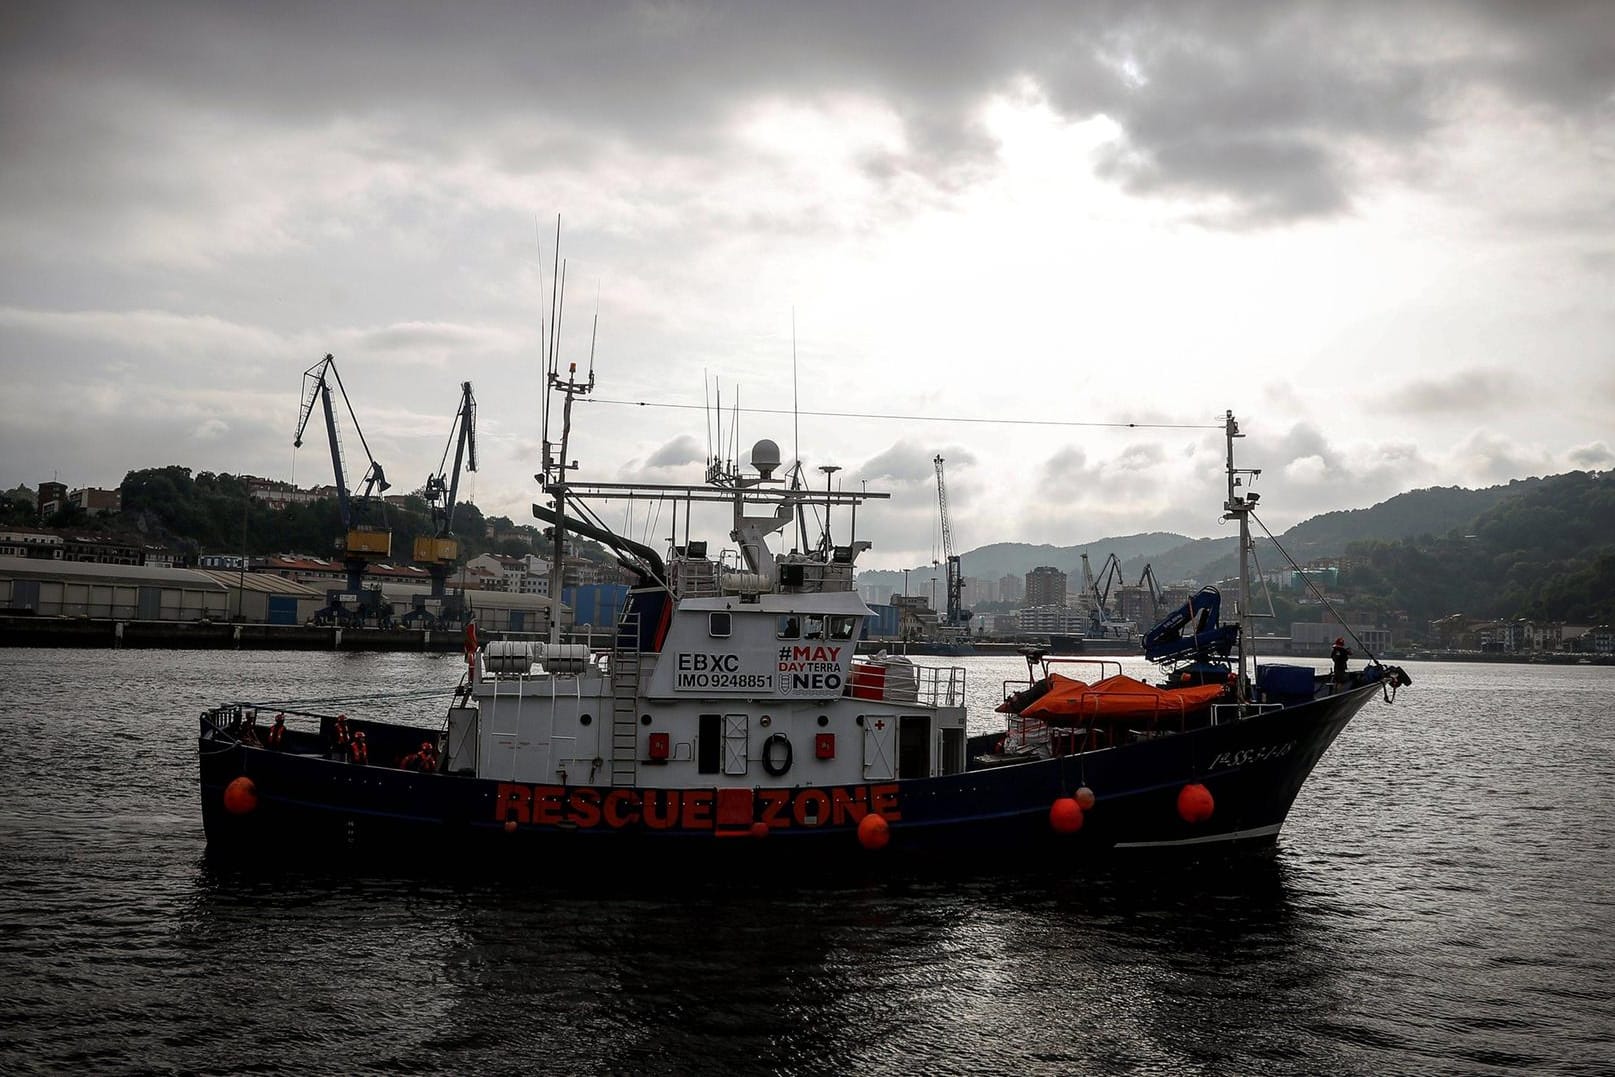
(240, 796)
(1194, 803)
(1084, 797)
(759, 830)
(1065, 815)
(873, 832)
(510, 826)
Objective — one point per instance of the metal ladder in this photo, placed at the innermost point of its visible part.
(625, 702)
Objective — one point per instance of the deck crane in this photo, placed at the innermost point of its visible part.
(956, 617)
(362, 542)
(440, 550)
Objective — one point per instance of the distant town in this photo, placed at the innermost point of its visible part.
(72, 552)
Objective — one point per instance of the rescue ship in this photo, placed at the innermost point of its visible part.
(727, 717)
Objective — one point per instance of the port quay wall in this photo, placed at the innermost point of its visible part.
(226, 635)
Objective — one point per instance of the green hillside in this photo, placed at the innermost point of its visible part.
(1540, 547)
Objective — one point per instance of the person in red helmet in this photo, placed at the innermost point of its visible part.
(1339, 654)
(277, 732)
(424, 760)
(358, 750)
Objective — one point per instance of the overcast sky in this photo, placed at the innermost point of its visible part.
(1382, 234)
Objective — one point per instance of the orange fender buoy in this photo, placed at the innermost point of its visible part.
(1084, 797)
(510, 826)
(1065, 815)
(759, 829)
(240, 796)
(873, 832)
(1195, 804)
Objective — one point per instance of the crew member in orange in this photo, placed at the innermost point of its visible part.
(339, 735)
(358, 750)
(428, 756)
(277, 732)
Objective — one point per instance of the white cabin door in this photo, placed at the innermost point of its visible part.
(735, 739)
(880, 734)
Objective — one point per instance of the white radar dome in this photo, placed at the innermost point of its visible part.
(765, 458)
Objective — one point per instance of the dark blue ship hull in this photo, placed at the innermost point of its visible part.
(304, 804)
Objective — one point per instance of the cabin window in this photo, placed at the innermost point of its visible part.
(842, 626)
(720, 624)
(709, 744)
(813, 627)
(790, 627)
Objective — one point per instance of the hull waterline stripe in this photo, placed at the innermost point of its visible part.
(1233, 835)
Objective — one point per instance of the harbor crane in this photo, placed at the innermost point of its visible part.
(1100, 622)
(440, 550)
(1154, 592)
(956, 617)
(362, 541)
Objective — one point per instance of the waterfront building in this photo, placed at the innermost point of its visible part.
(1010, 588)
(1045, 586)
(1059, 620)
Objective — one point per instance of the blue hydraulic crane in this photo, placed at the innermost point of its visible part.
(362, 542)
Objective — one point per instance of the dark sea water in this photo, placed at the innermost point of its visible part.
(1441, 901)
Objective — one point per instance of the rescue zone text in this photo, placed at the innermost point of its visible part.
(693, 809)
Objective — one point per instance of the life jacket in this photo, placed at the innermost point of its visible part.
(340, 731)
(277, 732)
(358, 750)
(426, 758)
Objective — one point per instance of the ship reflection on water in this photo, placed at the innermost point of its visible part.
(1035, 972)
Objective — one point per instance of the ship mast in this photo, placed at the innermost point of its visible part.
(554, 479)
(1239, 508)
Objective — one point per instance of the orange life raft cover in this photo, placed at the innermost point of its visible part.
(1116, 697)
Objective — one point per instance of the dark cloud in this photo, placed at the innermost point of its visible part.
(1474, 391)
(1596, 456)
(1265, 110)
(683, 449)
(903, 462)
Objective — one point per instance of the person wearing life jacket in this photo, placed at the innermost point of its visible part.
(424, 760)
(277, 732)
(358, 750)
(339, 735)
(1339, 654)
(249, 729)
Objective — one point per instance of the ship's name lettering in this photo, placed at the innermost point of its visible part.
(733, 811)
(816, 682)
(1242, 756)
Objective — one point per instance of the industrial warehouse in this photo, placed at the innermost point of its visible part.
(63, 602)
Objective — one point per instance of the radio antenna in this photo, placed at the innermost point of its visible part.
(796, 410)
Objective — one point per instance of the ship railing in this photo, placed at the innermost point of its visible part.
(903, 682)
(1233, 712)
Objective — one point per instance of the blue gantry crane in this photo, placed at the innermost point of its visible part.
(363, 541)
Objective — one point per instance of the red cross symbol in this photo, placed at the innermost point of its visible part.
(880, 723)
